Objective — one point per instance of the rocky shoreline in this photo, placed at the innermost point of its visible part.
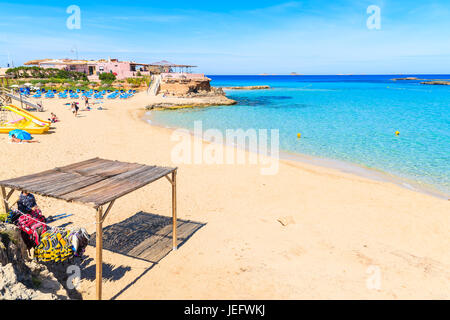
(216, 98)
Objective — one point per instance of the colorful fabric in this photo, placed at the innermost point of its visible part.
(32, 226)
(58, 246)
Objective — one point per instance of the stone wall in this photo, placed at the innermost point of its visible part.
(185, 87)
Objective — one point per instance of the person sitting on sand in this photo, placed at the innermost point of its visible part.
(27, 203)
(15, 140)
(53, 118)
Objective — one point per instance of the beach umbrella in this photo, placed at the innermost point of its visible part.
(20, 134)
(14, 86)
(28, 84)
(38, 84)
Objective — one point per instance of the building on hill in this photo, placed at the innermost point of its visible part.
(122, 69)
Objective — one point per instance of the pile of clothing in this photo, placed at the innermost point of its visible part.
(50, 244)
(31, 224)
(60, 245)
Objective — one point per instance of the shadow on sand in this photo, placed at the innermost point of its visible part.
(144, 236)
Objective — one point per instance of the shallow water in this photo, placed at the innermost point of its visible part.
(347, 118)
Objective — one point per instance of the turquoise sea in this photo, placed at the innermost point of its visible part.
(346, 118)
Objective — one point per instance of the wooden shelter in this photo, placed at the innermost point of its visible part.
(95, 182)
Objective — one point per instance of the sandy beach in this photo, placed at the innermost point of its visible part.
(338, 227)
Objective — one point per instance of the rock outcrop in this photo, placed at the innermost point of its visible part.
(21, 278)
(437, 83)
(181, 87)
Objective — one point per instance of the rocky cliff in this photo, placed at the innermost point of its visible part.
(183, 87)
(21, 278)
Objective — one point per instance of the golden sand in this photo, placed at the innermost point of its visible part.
(306, 233)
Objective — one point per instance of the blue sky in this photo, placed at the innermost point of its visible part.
(237, 37)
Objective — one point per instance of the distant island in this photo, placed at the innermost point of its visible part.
(264, 87)
(437, 82)
(407, 78)
(442, 82)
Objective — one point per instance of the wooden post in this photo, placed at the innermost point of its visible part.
(174, 209)
(99, 248)
(4, 198)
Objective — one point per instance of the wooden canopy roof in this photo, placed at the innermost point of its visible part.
(93, 182)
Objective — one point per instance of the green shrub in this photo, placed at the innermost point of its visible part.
(107, 77)
(44, 73)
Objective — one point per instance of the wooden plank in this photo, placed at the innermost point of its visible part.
(74, 185)
(31, 177)
(91, 167)
(38, 179)
(50, 180)
(36, 176)
(174, 209)
(141, 182)
(107, 210)
(99, 258)
(111, 190)
(10, 194)
(79, 194)
(5, 204)
(110, 169)
(79, 165)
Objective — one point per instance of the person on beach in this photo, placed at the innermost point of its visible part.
(16, 140)
(75, 108)
(53, 118)
(27, 203)
(86, 101)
